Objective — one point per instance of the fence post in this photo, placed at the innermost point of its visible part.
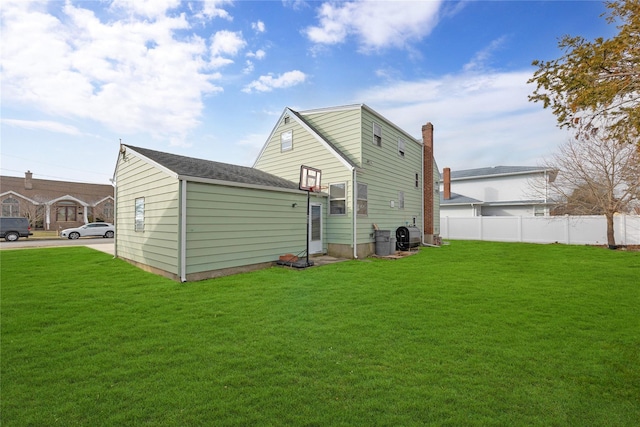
(567, 230)
(520, 228)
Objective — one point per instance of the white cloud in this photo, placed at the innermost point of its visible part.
(249, 67)
(479, 119)
(269, 82)
(43, 125)
(211, 9)
(258, 27)
(130, 75)
(146, 8)
(295, 4)
(258, 54)
(376, 25)
(480, 60)
(227, 43)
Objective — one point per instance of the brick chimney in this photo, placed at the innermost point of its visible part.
(446, 173)
(427, 140)
(28, 183)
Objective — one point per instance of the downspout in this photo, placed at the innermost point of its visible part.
(355, 213)
(115, 217)
(182, 236)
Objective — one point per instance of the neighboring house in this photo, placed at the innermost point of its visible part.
(191, 219)
(376, 174)
(496, 191)
(55, 205)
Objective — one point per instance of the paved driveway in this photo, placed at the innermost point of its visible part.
(98, 243)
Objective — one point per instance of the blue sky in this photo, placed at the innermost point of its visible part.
(209, 79)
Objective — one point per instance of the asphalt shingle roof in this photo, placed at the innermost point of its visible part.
(495, 170)
(458, 198)
(199, 168)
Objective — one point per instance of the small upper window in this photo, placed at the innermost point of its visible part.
(401, 147)
(139, 214)
(286, 140)
(287, 120)
(417, 180)
(377, 135)
(400, 199)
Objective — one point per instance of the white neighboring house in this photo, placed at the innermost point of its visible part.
(496, 191)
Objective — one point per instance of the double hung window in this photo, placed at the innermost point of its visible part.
(363, 200)
(286, 141)
(338, 199)
(139, 214)
(401, 145)
(377, 135)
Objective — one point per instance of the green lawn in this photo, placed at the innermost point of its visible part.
(473, 333)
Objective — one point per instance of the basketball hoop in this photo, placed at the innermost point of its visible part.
(310, 181)
(310, 178)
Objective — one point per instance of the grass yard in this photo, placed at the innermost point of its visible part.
(473, 333)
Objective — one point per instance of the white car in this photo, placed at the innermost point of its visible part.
(102, 229)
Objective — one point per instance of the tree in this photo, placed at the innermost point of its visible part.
(581, 201)
(596, 81)
(597, 174)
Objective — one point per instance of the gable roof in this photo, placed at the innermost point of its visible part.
(190, 167)
(495, 171)
(342, 158)
(370, 110)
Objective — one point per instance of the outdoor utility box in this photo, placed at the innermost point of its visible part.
(383, 243)
(408, 237)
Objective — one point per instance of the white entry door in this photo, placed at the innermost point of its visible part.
(315, 228)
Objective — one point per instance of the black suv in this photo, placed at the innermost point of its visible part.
(14, 228)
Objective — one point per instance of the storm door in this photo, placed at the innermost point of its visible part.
(315, 228)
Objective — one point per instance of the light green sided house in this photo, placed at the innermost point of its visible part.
(376, 174)
(191, 219)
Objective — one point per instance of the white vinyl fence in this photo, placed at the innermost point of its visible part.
(570, 230)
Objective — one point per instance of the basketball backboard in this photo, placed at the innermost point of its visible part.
(310, 178)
